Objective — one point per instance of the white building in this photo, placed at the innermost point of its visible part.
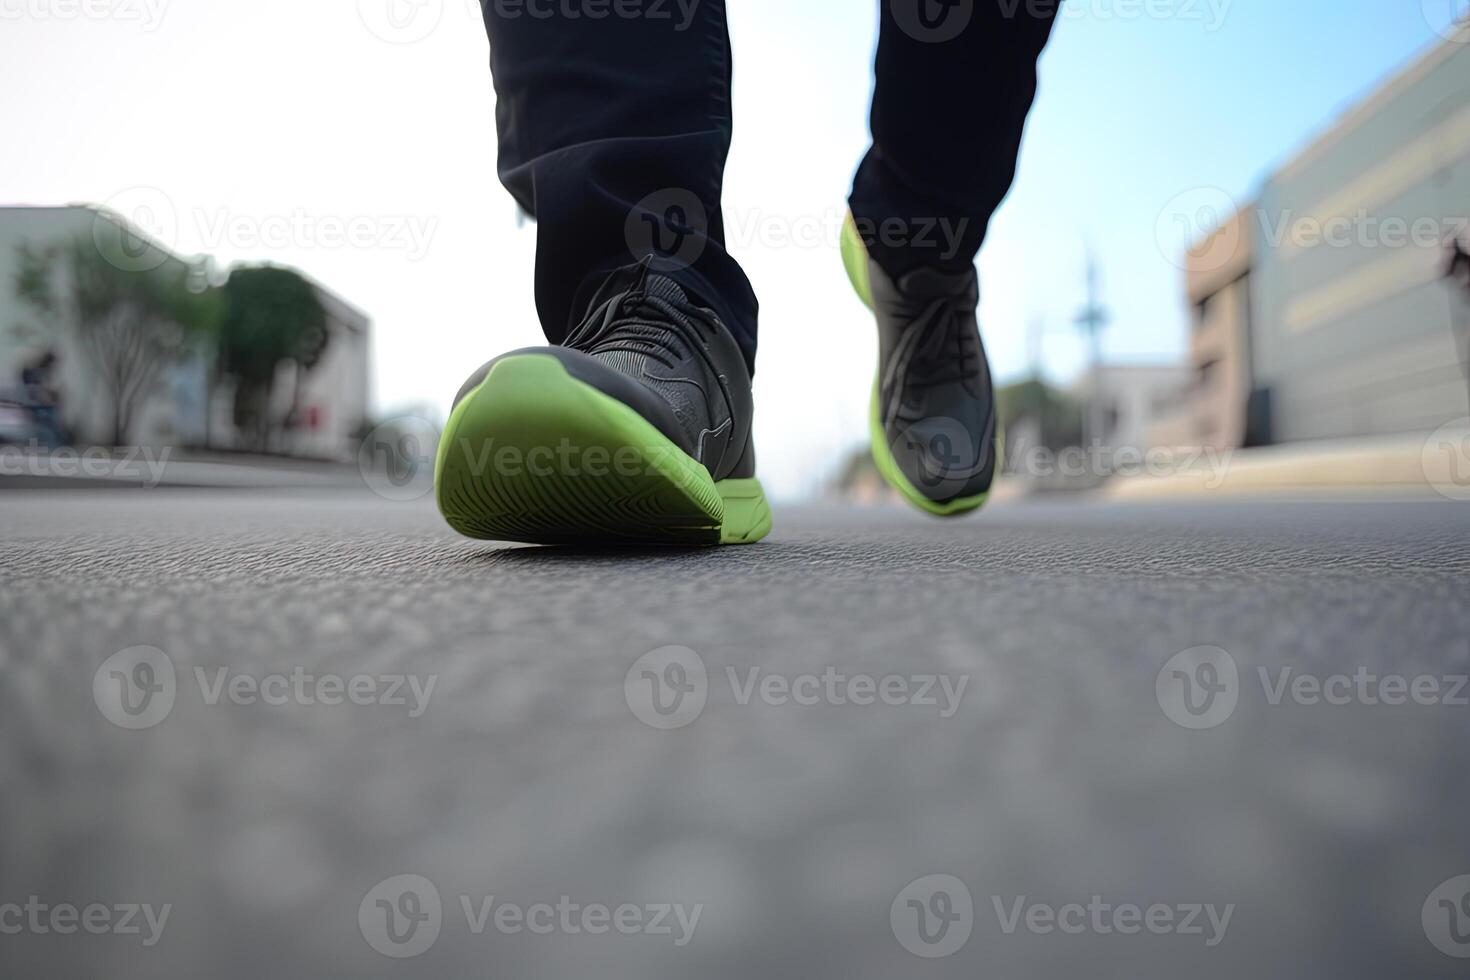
(1128, 400)
(177, 411)
(171, 414)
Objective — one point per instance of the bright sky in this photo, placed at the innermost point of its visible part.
(318, 134)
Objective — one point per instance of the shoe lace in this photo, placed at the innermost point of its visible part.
(940, 347)
(641, 323)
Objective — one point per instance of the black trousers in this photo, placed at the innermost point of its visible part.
(614, 120)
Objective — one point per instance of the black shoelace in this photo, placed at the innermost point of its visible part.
(641, 323)
(938, 348)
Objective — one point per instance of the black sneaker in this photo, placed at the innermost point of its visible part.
(636, 430)
(932, 420)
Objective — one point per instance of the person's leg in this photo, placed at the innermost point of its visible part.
(635, 424)
(955, 81)
(613, 136)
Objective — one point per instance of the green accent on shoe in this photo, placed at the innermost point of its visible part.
(533, 454)
(855, 261)
(747, 515)
(888, 467)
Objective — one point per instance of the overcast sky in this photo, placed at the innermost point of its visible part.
(359, 147)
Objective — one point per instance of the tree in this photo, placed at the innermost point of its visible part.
(272, 315)
(132, 319)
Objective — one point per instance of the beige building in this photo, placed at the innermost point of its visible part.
(1212, 407)
(1323, 310)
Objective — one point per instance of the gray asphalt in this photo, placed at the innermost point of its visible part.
(796, 829)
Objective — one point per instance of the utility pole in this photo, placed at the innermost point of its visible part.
(1091, 321)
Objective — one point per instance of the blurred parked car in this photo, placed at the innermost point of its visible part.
(18, 422)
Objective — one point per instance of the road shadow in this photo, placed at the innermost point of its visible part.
(533, 556)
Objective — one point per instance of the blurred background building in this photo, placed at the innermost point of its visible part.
(1212, 409)
(1326, 309)
(1330, 313)
(173, 412)
(1129, 400)
(187, 402)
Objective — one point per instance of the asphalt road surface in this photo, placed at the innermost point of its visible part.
(1054, 741)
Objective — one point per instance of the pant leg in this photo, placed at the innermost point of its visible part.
(955, 80)
(613, 134)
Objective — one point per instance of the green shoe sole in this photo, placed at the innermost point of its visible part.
(535, 455)
(855, 261)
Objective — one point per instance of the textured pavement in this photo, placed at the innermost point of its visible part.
(796, 830)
